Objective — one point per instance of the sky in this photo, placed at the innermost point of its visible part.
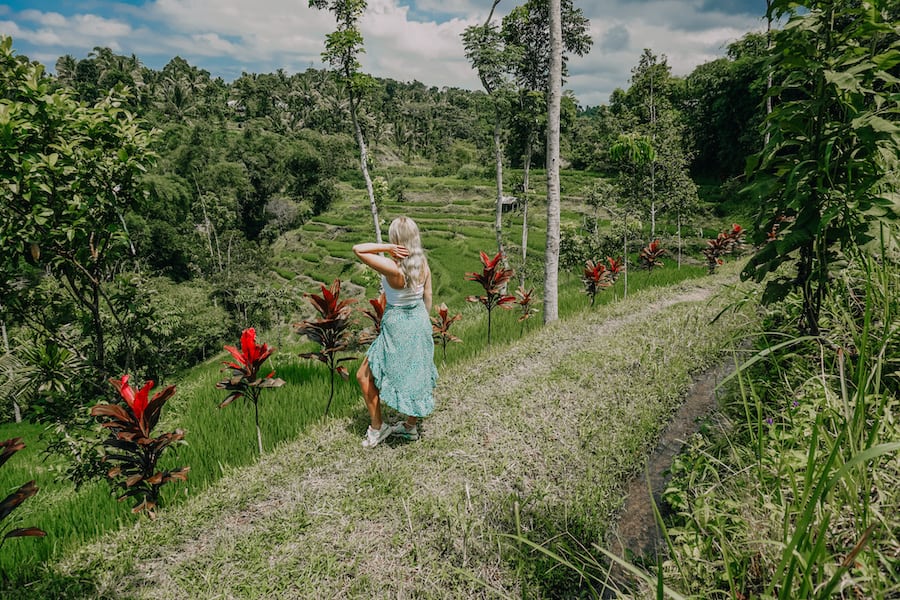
(404, 40)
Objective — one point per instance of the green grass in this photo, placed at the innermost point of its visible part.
(219, 441)
(300, 521)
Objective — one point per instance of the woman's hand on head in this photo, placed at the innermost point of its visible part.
(399, 252)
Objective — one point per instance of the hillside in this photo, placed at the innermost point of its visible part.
(538, 437)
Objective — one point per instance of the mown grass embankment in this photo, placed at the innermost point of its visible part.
(221, 440)
(535, 437)
(456, 222)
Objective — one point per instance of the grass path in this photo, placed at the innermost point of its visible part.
(538, 437)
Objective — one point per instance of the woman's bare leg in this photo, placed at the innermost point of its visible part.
(370, 393)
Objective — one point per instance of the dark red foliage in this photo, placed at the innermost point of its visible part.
(12, 501)
(725, 243)
(440, 328)
(651, 256)
(251, 355)
(525, 300)
(493, 278)
(330, 330)
(245, 380)
(375, 314)
(595, 278)
(133, 447)
(615, 267)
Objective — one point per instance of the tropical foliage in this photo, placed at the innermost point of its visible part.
(440, 328)
(134, 448)
(651, 255)
(493, 279)
(595, 277)
(831, 159)
(375, 314)
(723, 244)
(17, 497)
(330, 330)
(245, 381)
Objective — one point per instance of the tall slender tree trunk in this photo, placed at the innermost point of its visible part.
(652, 162)
(498, 212)
(625, 252)
(16, 410)
(551, 256)
(524, 238)
(526, 166)
(529, 151)
(364, 165)
(679, 239)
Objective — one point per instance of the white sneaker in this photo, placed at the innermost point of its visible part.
(376, 436)
(401, 430)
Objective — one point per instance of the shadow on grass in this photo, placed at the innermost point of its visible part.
(47, 584)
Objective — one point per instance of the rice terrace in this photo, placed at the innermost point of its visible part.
(666, 327)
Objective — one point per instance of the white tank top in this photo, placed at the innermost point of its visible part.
(403, 297)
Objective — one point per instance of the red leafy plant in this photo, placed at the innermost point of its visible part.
(724, 243)
(440, 328)
(493, 278)
(11, 502)
(651, 255)
(330, 330)
(595, 278)
(245, 380)
(525, 300)
(132, 445)
(376, 313)
(615, 267)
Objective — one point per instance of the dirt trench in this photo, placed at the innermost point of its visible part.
(636, 534)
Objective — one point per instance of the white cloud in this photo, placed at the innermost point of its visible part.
(404, 39)
(48, 19)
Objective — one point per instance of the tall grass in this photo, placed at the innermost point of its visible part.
(796, 493)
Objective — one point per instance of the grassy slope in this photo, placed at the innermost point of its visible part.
(549, 428)
(456, 217)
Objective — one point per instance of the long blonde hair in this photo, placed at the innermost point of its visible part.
(404, 232)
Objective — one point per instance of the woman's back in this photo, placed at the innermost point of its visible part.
(403, 297)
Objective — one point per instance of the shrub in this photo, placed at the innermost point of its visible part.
(12, 501)
(245, 380)
(330, 331)
(724, 243)
(493, 278)
(651, 255)
(440, 328)
(133, 447)
(595, 278)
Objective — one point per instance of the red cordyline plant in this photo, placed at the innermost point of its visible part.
(724, 243)
(651, 255)
(132, 445)
(375, 314)
(245, 380)
(493, 278)
(525, 301)
(595, 277)
(330, 331)
(440, 328)
(615, 267)
(11, 502)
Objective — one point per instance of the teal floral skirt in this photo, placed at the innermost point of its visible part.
(402, 360)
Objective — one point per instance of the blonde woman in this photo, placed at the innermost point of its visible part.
(399, 365)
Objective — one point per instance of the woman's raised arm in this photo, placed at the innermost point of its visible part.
(370, 254)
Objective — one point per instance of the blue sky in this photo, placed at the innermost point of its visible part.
(404, 39)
